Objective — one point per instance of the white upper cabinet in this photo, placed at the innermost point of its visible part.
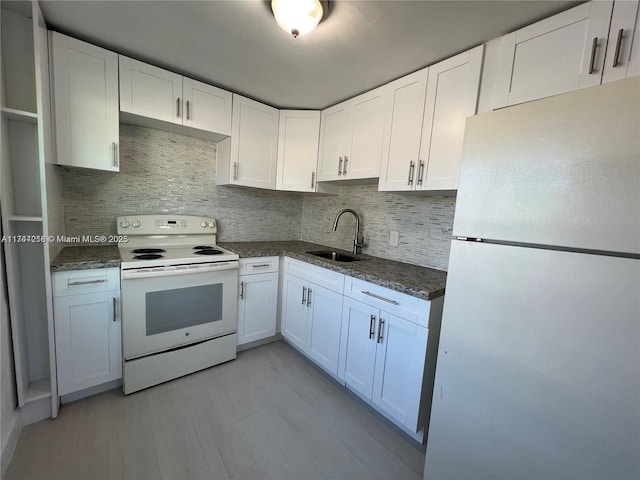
(85, 93)
(298, 150)
(351, 137)
(160, 95)
(253, 146)
(150, 91)
(623, 50)
(556, 55)
(426, 120)
(452, 96)
(206, 107)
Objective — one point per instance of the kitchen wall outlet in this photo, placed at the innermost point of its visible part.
(393, 238)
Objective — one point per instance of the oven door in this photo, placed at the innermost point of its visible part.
(168, 308)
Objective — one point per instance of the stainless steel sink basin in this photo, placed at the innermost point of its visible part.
(335, 256)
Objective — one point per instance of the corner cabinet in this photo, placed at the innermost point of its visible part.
(88, 328)
(426, 121)
(572, 50)
(158, 95)
(351, 135)
(298, 150)
(85, 99)
(257, 298)
(312, 312)
(249, 157)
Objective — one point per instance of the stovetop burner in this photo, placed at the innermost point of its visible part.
(208, 251)
(148, 250)
(148, 256)
(202, 247)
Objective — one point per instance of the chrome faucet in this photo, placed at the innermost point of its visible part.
(357, 241)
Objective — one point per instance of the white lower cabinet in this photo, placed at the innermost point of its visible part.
(258, 299)
(312, 312)
(87, 323)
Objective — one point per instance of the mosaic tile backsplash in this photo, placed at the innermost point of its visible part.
(163, 172)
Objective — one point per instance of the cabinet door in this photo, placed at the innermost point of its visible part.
(404, 125)
(368, 126)
(335, 141)
(360, 346)
(85, 83)
(298, 150)
(206, 107)
(150, 91)
(400, 360)
(557, 55)
(257, 307)
(88, 341)
(323, 337)
(254, 143)
(622, 56)
(452, 96)
(294, 311)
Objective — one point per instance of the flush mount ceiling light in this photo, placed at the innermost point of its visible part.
(297, 17)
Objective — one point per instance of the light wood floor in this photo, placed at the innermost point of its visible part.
(268, 414)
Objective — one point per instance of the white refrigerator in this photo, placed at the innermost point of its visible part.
(538, 369)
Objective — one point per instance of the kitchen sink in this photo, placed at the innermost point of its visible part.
(335, 256)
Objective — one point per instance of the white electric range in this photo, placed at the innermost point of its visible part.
(179, 298)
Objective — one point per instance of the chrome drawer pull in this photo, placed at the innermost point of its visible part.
(260, 265)
(392, 302)
(86, 282)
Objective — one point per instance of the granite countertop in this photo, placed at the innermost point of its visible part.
(86, 258)
(421, 282)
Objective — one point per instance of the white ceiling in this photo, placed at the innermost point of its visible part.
(237, 44)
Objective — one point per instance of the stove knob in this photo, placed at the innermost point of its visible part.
(125, 224)
(212, 224)
(203, 223)
(136, 224)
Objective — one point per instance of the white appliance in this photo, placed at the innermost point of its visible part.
(538, 370)
(179, 298)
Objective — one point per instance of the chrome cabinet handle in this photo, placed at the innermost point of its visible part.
(618, 45)
(86, 282)
(241, 290)
(420, 172)
(178, 109)
(114, 146)
(392, 302)
(309, 298)
(188, 102)
(235, 170)
(592, 62)
(340, 166)
(412, 167)
(372, 326)
(304, 295)
(380, 325)
(344, 167)
(313, 179)
(115, 306)
(260, 265)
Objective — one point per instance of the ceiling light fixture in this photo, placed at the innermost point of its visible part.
(297, 17)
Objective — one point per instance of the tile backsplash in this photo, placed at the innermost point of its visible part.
(163, 172)
(424, 223)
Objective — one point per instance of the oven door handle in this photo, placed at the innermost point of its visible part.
(148, 273)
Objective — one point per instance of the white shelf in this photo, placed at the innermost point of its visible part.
(24, 218)
(38, 390)
(21, 115)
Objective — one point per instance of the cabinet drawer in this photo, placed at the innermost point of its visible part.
(249, 266)
(411, 308)
(320, 276)
(85, 281)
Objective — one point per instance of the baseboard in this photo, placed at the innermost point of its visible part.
(35, 411)
(10, 440)
(88, 392)
(258, 343)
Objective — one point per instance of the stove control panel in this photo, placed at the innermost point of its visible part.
(165, 225)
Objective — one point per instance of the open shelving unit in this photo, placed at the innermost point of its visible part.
(25, 131)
